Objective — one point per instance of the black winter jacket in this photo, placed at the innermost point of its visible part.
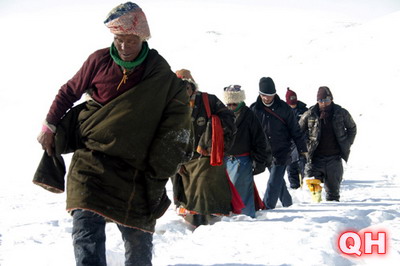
(280, 133)
(344, 127)
(250, 138)
(300, 109)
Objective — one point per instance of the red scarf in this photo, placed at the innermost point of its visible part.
(217, 146)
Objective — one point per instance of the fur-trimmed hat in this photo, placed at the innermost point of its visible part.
(291, 97)
(267, 86)
(128, 18)
(324, 93)
(234, 94)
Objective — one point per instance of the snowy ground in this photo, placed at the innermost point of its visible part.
(350, 46)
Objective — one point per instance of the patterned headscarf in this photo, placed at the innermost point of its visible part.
(128, 18)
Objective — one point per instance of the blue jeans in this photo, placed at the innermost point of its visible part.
(276, 188)
(240, 170)
(89, 239)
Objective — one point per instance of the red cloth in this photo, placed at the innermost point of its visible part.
(217, 145)
(236, 201)
(217, 148)
(258, 203)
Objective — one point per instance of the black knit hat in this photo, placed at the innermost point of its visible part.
(267, 86)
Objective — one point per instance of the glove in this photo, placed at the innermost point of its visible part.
(182, 170)
(46, 139)
(304, 155)
(157, 198)
(205, 141)
(258, 168)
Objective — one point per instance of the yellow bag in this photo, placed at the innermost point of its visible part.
(314, 185)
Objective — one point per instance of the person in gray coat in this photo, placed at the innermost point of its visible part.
(330, 132)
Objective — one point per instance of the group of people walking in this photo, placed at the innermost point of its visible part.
(142, 125)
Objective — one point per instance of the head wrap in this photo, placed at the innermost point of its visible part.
(128, 18)
(185, 74)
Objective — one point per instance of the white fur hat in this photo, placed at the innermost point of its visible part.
(233, 94)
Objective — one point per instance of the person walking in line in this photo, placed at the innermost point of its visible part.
(295, 169)
(123, 158)
(330, 132)
(280, 127)
(250, 154)
(201, 187)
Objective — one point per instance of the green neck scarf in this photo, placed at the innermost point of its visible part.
(240, 105)
(132, 64)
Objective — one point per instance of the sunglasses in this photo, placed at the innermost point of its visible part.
(326, 100)
(232, 88)
(232, 104)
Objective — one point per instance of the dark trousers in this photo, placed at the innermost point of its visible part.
(276, 188)
(329, 169)
(295, 172)
(89, 239)
(295, 169)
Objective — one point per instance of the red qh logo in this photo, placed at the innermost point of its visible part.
(357, 243)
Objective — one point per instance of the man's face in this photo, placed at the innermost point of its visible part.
(232, 106)
(267, 99)
(190, 88)
(128, 46)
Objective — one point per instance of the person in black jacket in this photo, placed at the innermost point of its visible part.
(250, 153)
(330, 132)
(295, 169)
(280, 127)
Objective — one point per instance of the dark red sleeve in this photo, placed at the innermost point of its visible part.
(73, 90)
